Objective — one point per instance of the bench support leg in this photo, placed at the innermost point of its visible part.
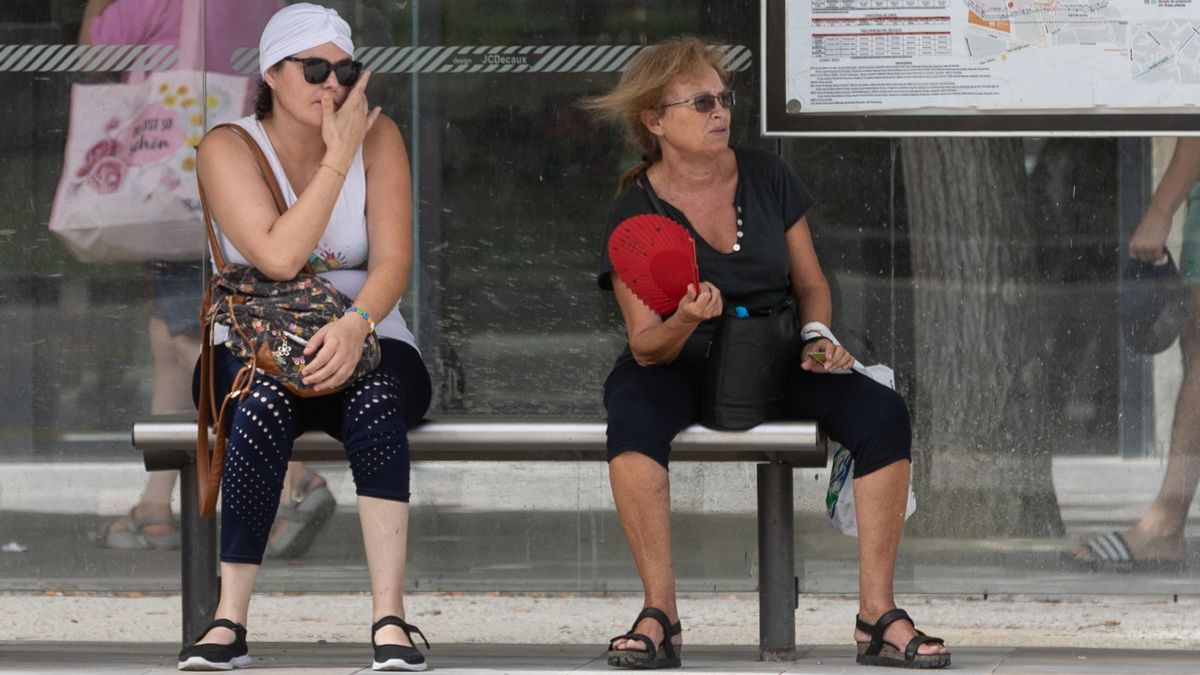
(776, 564)
(199, 585)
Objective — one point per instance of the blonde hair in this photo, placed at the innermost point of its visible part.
(643, 85)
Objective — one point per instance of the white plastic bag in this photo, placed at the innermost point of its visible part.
(839, 498)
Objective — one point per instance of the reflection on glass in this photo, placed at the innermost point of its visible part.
(984, 271)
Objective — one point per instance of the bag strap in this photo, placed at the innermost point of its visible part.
(210, 459)
(268, 174)
(207, 456)
(210, 462)
(202, 410)
(191, 36)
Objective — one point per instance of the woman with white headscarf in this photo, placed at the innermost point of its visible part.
(344, 172)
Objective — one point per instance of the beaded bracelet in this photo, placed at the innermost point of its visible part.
(363, 313)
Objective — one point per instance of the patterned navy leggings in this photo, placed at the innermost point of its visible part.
(371, 418)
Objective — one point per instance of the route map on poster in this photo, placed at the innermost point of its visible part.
(901, 55)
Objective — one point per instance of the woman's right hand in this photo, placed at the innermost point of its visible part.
(345, 128)
(700, 304)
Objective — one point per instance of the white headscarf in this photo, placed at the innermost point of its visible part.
(298, 27)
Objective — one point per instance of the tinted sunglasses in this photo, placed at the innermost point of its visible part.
(705, 103)
(317, 70)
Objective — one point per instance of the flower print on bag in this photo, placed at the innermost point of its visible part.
(105, 148)
(152, 136)
(217, 106)
(106, 175)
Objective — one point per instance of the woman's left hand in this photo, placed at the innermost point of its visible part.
(337, 348)
(837, 359)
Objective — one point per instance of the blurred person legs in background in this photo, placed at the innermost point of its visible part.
(306, 503)
(1156, 541)
(174, 333)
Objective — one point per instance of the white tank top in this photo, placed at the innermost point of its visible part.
(341, 255)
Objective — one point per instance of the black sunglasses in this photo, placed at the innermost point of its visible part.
(317, 70)
(704, 103)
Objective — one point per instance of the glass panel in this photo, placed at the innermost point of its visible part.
(984, 271)
(76, 357)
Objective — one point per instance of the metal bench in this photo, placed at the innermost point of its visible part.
(169, 444)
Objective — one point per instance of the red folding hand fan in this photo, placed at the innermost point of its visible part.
(656, 258)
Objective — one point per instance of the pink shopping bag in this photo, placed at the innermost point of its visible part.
(128, 186)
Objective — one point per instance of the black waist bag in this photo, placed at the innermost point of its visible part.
(746, 377)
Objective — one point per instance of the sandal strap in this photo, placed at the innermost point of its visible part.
(301, 485)
(136, 523)
(910, 651)
(291, 510)
(669, 629)
(651, 651)
(292, 513)
(1111, 547)
(408, 628)
(239, 631)
(868, 628)
(888, 618)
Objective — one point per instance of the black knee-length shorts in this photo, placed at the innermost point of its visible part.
(648, 405)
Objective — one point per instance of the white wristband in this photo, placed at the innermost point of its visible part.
(815, 329)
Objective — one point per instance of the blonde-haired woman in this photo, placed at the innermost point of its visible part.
(745, 208)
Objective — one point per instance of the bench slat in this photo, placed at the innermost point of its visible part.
(170, 444)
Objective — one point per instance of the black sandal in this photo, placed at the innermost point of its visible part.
(877, 652)
(662, 656)
(398, 657)
(217, 656)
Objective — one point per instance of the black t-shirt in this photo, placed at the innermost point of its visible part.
(771, 198)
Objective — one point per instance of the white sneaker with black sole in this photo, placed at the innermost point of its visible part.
(217, 656)
(397, 657)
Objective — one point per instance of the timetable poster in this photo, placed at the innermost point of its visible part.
(908, 55)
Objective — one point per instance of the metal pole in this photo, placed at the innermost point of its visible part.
(200, 586)
(776, 564)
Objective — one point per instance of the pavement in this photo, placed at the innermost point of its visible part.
(341, 659)
(565, 632)
(1003, 604)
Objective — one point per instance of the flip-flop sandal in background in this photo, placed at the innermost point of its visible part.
(1112, 553)
(134, 537)
(306, 515)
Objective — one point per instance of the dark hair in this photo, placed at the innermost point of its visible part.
(263, 102)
